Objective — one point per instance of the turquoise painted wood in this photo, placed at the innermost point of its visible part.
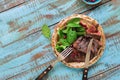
(25, 53)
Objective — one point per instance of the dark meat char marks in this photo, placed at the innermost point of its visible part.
(96, 45)
(80, 49)
(96, 36)
(81, 44)
(75, 56)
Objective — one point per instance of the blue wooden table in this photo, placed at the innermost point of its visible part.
(25, 52)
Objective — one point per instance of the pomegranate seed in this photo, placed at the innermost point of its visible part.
(92, 0)
(64, 37)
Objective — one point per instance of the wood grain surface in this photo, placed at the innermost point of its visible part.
(25, 53)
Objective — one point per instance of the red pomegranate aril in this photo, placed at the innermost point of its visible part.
(64, 36)
(92, 0)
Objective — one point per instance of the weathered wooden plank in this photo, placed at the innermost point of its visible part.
(36, 55)
(28, 18)
(107, 74)
(8, 4)
(24, 70)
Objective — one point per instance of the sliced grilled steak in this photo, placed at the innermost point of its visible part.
(80, 49)
(75, 56)
(82, 43)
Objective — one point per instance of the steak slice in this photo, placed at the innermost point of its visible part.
(81, 44)
(75, 56)
(80, 49)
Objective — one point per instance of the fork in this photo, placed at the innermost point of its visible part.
(62, 55)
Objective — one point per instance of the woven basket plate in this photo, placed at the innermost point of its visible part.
(84, 18)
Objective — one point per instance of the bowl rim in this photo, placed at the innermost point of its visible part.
(77, 64)
(92, 3)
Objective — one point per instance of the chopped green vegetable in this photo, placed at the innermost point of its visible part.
(71, 36)
(79, 29)
(46, 31)
(61, 34)
(81, 33)
(66, 30)
(62, 44)
(73, 25)
(74, 20)
(60, 48)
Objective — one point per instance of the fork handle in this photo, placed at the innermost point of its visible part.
(85, 73)
(44, 72)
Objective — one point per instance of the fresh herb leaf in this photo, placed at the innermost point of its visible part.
(81, 33)
(46, 31)
(60, 48)
(73, 25)
(66, 30)
(61, 45)
(74, 20)
(64, 42)
(60, 33)
(71, 36)
(79, 29)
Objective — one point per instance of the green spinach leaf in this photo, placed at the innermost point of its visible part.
(46, 31)
(60, 33)
(79, 29)
(73, 25)
(81, 33)
(74, 20)
(64, 42)
(61, 45)
(71, 36)
(66, 30)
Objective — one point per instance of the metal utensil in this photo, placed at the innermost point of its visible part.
(63, 55)
(85, 71)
